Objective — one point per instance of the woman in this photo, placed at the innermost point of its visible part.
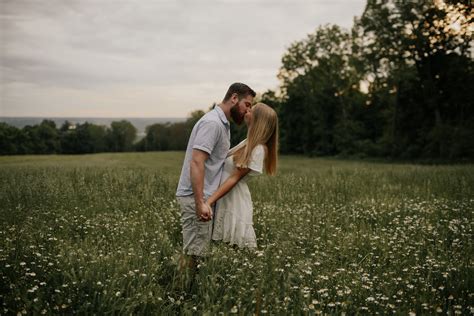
(233, 221)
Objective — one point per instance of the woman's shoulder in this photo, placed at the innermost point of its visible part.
(257, 160)
(260, 149)
(259, 152)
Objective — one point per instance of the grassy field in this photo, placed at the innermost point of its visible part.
(101, 234)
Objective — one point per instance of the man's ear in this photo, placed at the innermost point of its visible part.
(234, 98)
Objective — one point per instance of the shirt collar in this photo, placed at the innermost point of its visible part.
(221, 115)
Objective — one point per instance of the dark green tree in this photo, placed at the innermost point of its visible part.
(121, 136)
(90, 138)
(418, 51)
(320, 83)
(49, 138)
(9, 137)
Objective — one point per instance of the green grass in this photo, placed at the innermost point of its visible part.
(101, 234)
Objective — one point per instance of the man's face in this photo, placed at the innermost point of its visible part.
(240, 108)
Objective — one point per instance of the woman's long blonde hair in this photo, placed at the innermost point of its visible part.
(263, 130)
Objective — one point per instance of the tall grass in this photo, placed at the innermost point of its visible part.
(101, 234)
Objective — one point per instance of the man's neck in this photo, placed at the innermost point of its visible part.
(225, 107)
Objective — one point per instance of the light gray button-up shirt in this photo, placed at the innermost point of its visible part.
(212, 135)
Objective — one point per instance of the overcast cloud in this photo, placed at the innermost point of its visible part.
(147, 58)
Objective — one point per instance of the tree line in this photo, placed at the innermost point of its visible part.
(398, 84)
(47, 138)
(121, 136)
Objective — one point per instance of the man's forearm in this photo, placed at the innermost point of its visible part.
(197, 181)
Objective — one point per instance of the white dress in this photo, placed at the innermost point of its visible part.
(233, 218)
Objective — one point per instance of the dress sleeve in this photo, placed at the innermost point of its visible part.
(256, 161)
(207, 136)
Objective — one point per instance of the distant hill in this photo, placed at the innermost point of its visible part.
(139, 123)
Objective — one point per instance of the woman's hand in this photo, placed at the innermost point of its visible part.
(204, 212)
(208, 203)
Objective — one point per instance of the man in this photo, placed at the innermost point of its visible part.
(202, 168)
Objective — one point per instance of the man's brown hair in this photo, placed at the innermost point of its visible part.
(241, 89)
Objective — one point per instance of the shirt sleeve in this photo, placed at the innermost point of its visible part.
(256, 161)
(207, 136)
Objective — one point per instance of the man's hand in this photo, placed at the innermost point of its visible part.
(204, 212)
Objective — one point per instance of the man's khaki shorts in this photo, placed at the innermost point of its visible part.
(196, 234)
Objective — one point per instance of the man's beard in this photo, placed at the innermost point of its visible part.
(236, 116)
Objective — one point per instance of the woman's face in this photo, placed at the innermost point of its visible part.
(248, 117)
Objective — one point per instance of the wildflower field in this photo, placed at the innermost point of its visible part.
(100, 234)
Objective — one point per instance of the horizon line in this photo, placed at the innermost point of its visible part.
(98, 117)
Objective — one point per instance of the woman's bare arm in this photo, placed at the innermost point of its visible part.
(228, 184)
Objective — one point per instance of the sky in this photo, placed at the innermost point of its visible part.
(147, 58)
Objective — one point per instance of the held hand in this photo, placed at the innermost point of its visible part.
(211, 213)
(204, 212)
(211, 210)
(206, 215)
